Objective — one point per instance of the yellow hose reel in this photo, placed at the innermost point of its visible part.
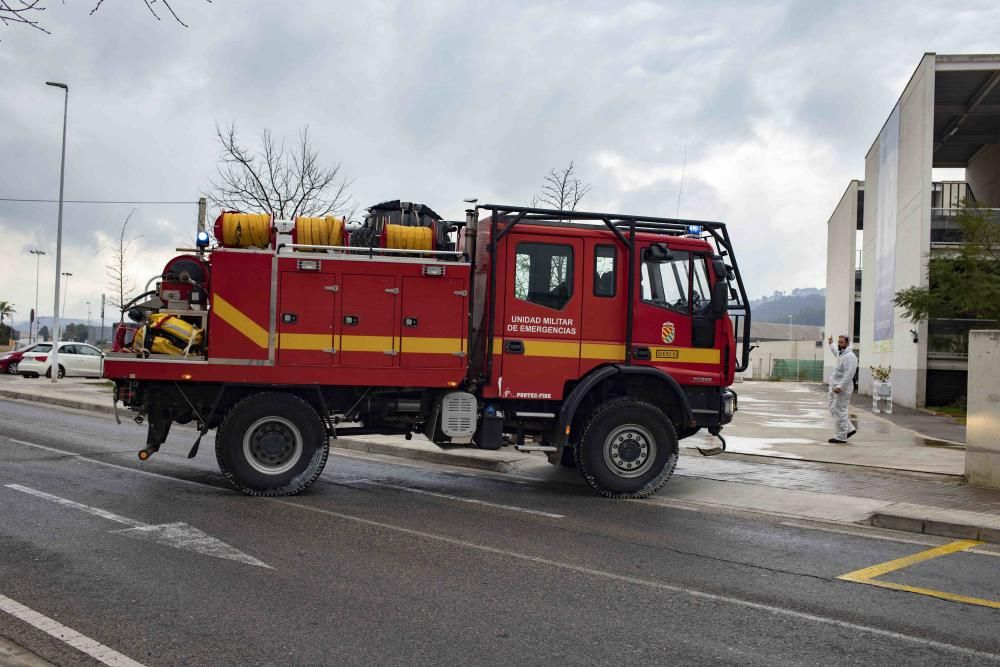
(328, 231)
(402, 237)
(243, 230)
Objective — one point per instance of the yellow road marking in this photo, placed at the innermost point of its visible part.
(943, 595)
(868, 575)
(907, 561)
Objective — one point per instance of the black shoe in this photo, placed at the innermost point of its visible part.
(853, 431)
(836, 441)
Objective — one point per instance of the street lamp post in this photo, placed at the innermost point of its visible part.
(62, 182)
(87, 338)
(66, 291)
(38, 256)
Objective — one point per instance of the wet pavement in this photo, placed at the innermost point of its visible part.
(791, 421)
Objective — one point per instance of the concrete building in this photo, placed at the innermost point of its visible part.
(948, 117)
(783, 351)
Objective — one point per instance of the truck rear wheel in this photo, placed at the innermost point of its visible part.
(628, 449)
(272, 444)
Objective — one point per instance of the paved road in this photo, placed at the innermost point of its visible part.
(385, 562)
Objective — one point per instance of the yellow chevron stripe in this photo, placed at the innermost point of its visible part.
(684, 355)
(229, 314)
(432, 345)
(297, 341)
(366, 343)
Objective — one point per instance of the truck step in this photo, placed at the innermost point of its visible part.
(535, 448)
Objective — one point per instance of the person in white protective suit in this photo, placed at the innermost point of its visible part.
(841, 388)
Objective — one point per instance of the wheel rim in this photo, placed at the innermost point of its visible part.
(272, 445)
(629, 450)
(12, 369)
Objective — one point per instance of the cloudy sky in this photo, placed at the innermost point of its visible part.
(439, 100)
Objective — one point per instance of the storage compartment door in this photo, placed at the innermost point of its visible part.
(434, 323)
(367, 321)
(305, 319)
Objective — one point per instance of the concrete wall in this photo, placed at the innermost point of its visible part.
(911, 241)
(983, 175)
(982, 452)
(840, 266)
(766, 352)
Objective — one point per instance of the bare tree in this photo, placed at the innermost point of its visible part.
(25, 12)
(285, 183)
(120, 285)
(562, 190)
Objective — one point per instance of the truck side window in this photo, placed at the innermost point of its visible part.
(605, 257)
(701, 292)
(665, 284)
(543, 274)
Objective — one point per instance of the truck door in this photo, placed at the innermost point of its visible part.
(672, 329)
(305, 319)
(541, 319)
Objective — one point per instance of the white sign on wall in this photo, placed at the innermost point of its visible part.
(885, 226)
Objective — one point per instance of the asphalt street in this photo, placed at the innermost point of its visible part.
(394, 562)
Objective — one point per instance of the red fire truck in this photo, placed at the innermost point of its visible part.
(598, 338)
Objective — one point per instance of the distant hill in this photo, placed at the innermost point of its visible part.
(806, 306)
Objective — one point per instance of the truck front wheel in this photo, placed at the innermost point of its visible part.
(628, 449)
(272, 444)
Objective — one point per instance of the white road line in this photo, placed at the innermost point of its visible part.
(655, 585)
(778, 611)
(87, 457)
(69, 636)
(473, 501)
(178, 535)
(104, 514)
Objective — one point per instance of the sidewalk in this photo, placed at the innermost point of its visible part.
(779, 462)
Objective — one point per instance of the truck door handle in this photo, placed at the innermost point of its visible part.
(514, 346)
(641, 353)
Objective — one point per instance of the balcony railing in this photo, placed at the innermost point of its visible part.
(944, 225)
(949, 338)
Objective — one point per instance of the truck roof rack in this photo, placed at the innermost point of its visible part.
(504, 217)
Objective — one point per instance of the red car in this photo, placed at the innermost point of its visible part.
(10, 360)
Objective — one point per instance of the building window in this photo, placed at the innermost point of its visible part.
(605, 275)
(543, 274)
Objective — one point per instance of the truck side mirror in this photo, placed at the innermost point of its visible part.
(720, 297)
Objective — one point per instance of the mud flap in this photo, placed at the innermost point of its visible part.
(714, 451)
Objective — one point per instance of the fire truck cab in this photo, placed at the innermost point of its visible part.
(600, 339)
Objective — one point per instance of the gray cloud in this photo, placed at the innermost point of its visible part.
(436, 101)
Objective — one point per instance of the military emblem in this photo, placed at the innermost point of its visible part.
(667, 332)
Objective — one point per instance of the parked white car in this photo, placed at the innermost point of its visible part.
(74, 359)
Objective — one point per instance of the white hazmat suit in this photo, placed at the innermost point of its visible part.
(842, 377)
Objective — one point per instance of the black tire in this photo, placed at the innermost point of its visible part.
(272, 444)
(628, 449)
(61, 372)
(12, 368)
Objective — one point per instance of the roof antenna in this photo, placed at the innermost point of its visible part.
(680, 188)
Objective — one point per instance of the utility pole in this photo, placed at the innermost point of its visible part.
(62, 182)
(101, 337)
(87, 337)
(38, 256)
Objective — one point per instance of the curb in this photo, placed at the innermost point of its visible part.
(56, 400)
(952, 529)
